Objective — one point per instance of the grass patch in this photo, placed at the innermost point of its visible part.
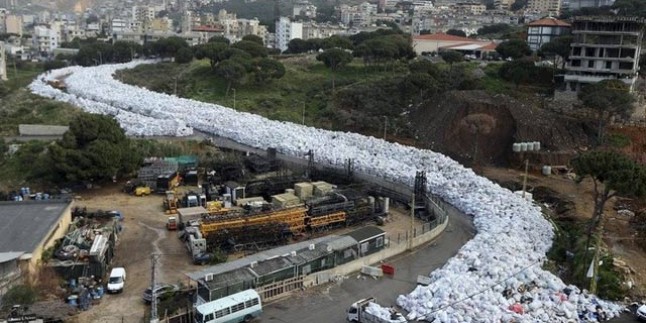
(492, 83)
(306, 87)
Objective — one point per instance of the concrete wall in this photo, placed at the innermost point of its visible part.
(30, 265)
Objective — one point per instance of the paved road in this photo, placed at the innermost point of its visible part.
(328, 303)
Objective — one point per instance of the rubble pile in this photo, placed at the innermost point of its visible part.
(497, 276)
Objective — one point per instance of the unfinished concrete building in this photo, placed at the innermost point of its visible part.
(604, 48)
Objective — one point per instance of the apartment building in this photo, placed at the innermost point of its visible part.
(503, 4)
(604, 48)
(3, 20)
(13, 25)
(305, 9)
(550, 7)
(3, 62)
(45, 39)
(287, 30)
(578, 4)
(312, 30)
(542, 31)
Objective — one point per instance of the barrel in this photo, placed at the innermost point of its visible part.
(547, 170)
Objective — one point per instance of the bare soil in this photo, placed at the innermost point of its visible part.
(619, 234)
(144, 233)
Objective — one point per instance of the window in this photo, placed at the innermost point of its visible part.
(208, 317)
(347, 253)
(591, 64)
(222, 312)
(380, 242)
(237, 308)
(364, 248)
(251, 302)
(608, 64)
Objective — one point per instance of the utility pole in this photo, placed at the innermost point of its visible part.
(153, 305)
(303, 122)
(385, 125)
(412, 221)
(525, 176)
(234, 98)
(522, 148)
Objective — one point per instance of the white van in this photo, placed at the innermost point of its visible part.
(116, 280)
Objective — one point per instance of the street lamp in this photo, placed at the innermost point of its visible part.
(303, 121)
(522, 148)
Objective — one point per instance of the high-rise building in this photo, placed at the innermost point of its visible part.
(604, 48)
(286, 30)
(578, 4)
(551, 7)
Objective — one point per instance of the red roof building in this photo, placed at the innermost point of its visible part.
(436, 42)
(542, 31)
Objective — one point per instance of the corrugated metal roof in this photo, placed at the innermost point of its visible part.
(41, 130)
(365, 233)
(25, 224)
(549, 22)
(342, 243)
(8, 256)
(246, 261)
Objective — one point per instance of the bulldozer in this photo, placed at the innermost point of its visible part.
(170, 202)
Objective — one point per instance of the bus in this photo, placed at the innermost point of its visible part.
(240, 307)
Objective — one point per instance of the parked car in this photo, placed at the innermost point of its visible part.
(161, 291)
(641, 313)
(116, 280)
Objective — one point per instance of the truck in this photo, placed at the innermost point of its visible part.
(366, 311)
(171, 224)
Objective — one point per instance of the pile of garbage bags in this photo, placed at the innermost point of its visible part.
(495, 277)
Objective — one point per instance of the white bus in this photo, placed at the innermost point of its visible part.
(240, 307)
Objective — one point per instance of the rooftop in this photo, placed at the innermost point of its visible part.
(365, 233)
(549, 22)
(26, 224)
(444, 37)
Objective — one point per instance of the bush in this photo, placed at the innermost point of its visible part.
(19, 294)
(618, 140)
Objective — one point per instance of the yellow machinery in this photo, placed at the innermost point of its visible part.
(326, 220)
(142, 190)
(293, 217)
(170, 202)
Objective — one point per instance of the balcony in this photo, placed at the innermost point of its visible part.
(633, 46)
(599, 70)
(620, 59)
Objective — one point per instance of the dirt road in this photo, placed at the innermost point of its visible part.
(144, 233)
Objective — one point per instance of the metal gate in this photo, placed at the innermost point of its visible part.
(279, 289)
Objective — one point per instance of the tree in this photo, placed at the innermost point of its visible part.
(612, 174)
(213, 51)
(376, 50)
(267, 69)
(336, 41)
(232, 72)
(494, 29)
(124, 51)
(168, 47)
(451, 57)
(95, 148)
(607, 98)
(254, 49)
(558, 47)
(456, 32)
(184, 55)
(514, 48)
(334, 59)
(630, 7)
(219, 39)
(518, 72)
(255, 39)
(297, 46)
(94, 54)
(19, 295)
(518, 4)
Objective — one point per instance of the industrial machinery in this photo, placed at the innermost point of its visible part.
(167, 182)
(171, 224)
(142, 191)
(170, 202)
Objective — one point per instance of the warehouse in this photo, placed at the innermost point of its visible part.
(31, 227)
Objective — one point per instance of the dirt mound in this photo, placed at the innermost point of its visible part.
(442, 127)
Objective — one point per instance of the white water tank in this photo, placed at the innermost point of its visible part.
(516, 147)
(523, 146)
(547, 170)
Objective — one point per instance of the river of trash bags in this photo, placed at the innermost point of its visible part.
(495, 277)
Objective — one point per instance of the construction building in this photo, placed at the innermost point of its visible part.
(543, 31)
(28, 229)
(578, 4)
(604, 48)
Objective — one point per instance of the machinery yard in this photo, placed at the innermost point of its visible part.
(223, 229)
